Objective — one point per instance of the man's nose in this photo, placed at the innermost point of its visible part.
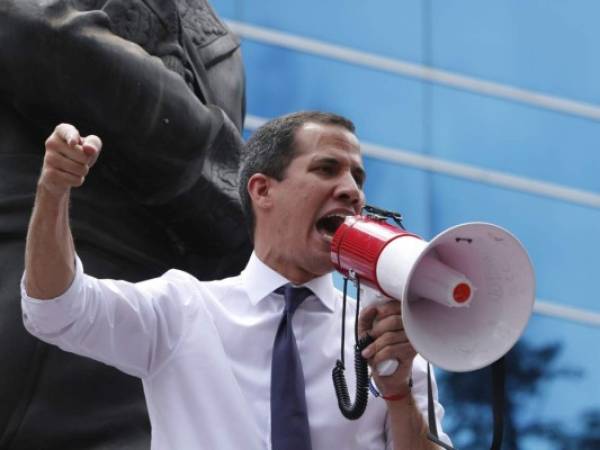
(349, 190)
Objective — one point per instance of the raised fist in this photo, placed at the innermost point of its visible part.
(68, 159)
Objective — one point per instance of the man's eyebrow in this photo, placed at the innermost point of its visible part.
(357, 171)
(326, 159)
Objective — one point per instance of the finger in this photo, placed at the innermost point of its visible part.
(391, 323)
(366, 318)
(389, 308)
(57, 161)
(65, 152)
(68, 133)
(60, 181)
(404, 353)
(91, 146)
(80, 149)
(390, 338)
(57, 144)
(387, 339)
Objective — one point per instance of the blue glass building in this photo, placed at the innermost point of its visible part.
(467, 111)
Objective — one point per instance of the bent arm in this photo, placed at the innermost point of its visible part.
(134, 327)
(409, 429)
(383, 322)
(49, 250)
(115, 322)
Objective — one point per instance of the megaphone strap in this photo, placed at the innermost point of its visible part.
(498, 383)
(432, 434)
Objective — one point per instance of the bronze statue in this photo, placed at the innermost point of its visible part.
(162, 82)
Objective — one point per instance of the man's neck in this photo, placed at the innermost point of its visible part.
(284, 267)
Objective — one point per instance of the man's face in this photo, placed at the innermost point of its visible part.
(321, 186)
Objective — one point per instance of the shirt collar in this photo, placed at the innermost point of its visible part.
(259, 280)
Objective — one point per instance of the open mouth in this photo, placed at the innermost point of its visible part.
(328, 225)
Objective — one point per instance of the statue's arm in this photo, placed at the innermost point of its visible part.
(62, 65)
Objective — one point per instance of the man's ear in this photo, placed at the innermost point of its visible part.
(259, 189)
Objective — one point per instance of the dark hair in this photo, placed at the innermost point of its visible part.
(271, 149)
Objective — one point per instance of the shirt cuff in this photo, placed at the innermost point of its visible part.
(45, 317)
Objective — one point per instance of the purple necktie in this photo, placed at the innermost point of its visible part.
(289, 418)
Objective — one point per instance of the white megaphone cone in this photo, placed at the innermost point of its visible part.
(466, 295)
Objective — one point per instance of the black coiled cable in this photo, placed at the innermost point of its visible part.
(349, 410)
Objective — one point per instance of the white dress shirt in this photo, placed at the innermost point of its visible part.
(203, 352)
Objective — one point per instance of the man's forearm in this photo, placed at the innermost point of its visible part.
(49, 254)
(409, 429)
(49, 251)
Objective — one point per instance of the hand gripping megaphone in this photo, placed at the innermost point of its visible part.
(466, 295)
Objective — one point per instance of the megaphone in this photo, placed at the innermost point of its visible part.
(466, 295)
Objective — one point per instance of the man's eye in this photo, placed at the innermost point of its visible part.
(328, 170)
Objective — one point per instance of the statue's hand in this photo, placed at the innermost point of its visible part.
(68, 159)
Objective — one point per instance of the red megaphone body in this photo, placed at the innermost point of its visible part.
(466, 295)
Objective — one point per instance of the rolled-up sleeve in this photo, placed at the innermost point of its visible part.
(132, 326)
(49, 317)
